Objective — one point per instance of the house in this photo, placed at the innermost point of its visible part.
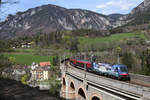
(18, 73)
(26, 45)
(42, 72)
(45, 64)
(148, 43)
(7, 73)
(13, 73)
(34, 65)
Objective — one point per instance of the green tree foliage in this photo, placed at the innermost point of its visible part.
(54, 85)
(24, 79)
(128, 60)
(3, 46)
(43, 39)
(12, 60)
(53, 69)
(55, 61)
(89, 32)
(66, 41)
(118, 49)
(116, 30)
(17, 42)
(141, 18)
(145, 61)
(4, 62)
(74, 45)
(149, 26)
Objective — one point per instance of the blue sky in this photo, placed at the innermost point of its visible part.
(100, 6)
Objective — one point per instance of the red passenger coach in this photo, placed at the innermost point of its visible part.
(81, 63)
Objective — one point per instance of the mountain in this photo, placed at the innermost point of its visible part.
(144, 6)
(49, 18)
(115, 16)
(140, 14)
(137, 19)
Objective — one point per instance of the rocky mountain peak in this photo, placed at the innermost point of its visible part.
(144, 6)
(49, 18)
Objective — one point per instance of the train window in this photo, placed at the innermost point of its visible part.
(80, 64)
(123, 69)
(116, 69)
(108, 68)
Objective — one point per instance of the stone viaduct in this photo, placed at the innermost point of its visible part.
(78, 84)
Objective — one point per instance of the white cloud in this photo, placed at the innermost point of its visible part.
(122, 4)
(118, 5)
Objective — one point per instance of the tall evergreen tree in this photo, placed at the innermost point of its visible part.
(128, 59)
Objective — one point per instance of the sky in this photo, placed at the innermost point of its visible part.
(100, 6)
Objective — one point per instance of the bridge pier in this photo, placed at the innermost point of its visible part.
(67, 88)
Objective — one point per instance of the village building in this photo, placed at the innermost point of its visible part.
(42, 72)
(45, 64)
(18, 73)
(26, 45)
(13, 73)
(34, 65)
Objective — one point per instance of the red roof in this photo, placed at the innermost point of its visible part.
(43, 64)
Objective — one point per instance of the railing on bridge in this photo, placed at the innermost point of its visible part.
(123, 88)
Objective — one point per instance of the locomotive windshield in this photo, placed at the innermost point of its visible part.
(123, 69)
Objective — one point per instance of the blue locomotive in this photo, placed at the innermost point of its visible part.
(118, 71)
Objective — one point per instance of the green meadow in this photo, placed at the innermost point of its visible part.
(28, 59)
(27, 56)
(112, 38)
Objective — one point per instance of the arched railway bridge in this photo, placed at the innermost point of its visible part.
(80, 85)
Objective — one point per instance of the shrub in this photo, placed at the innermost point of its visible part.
(24, 79)
(4, 62)
(145, 62)
(55, 61)
(128, 59)
(54, 85)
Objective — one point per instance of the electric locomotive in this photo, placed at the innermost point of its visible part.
(118, 71)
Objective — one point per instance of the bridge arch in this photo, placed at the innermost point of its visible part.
(81, 94)
(96, 96)
(64, 82)
(72, 89)
(63, 87)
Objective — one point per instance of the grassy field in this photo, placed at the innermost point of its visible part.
(24, 50)
(109, 41)
(27, 56)
(28, 59)
(112, 38)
